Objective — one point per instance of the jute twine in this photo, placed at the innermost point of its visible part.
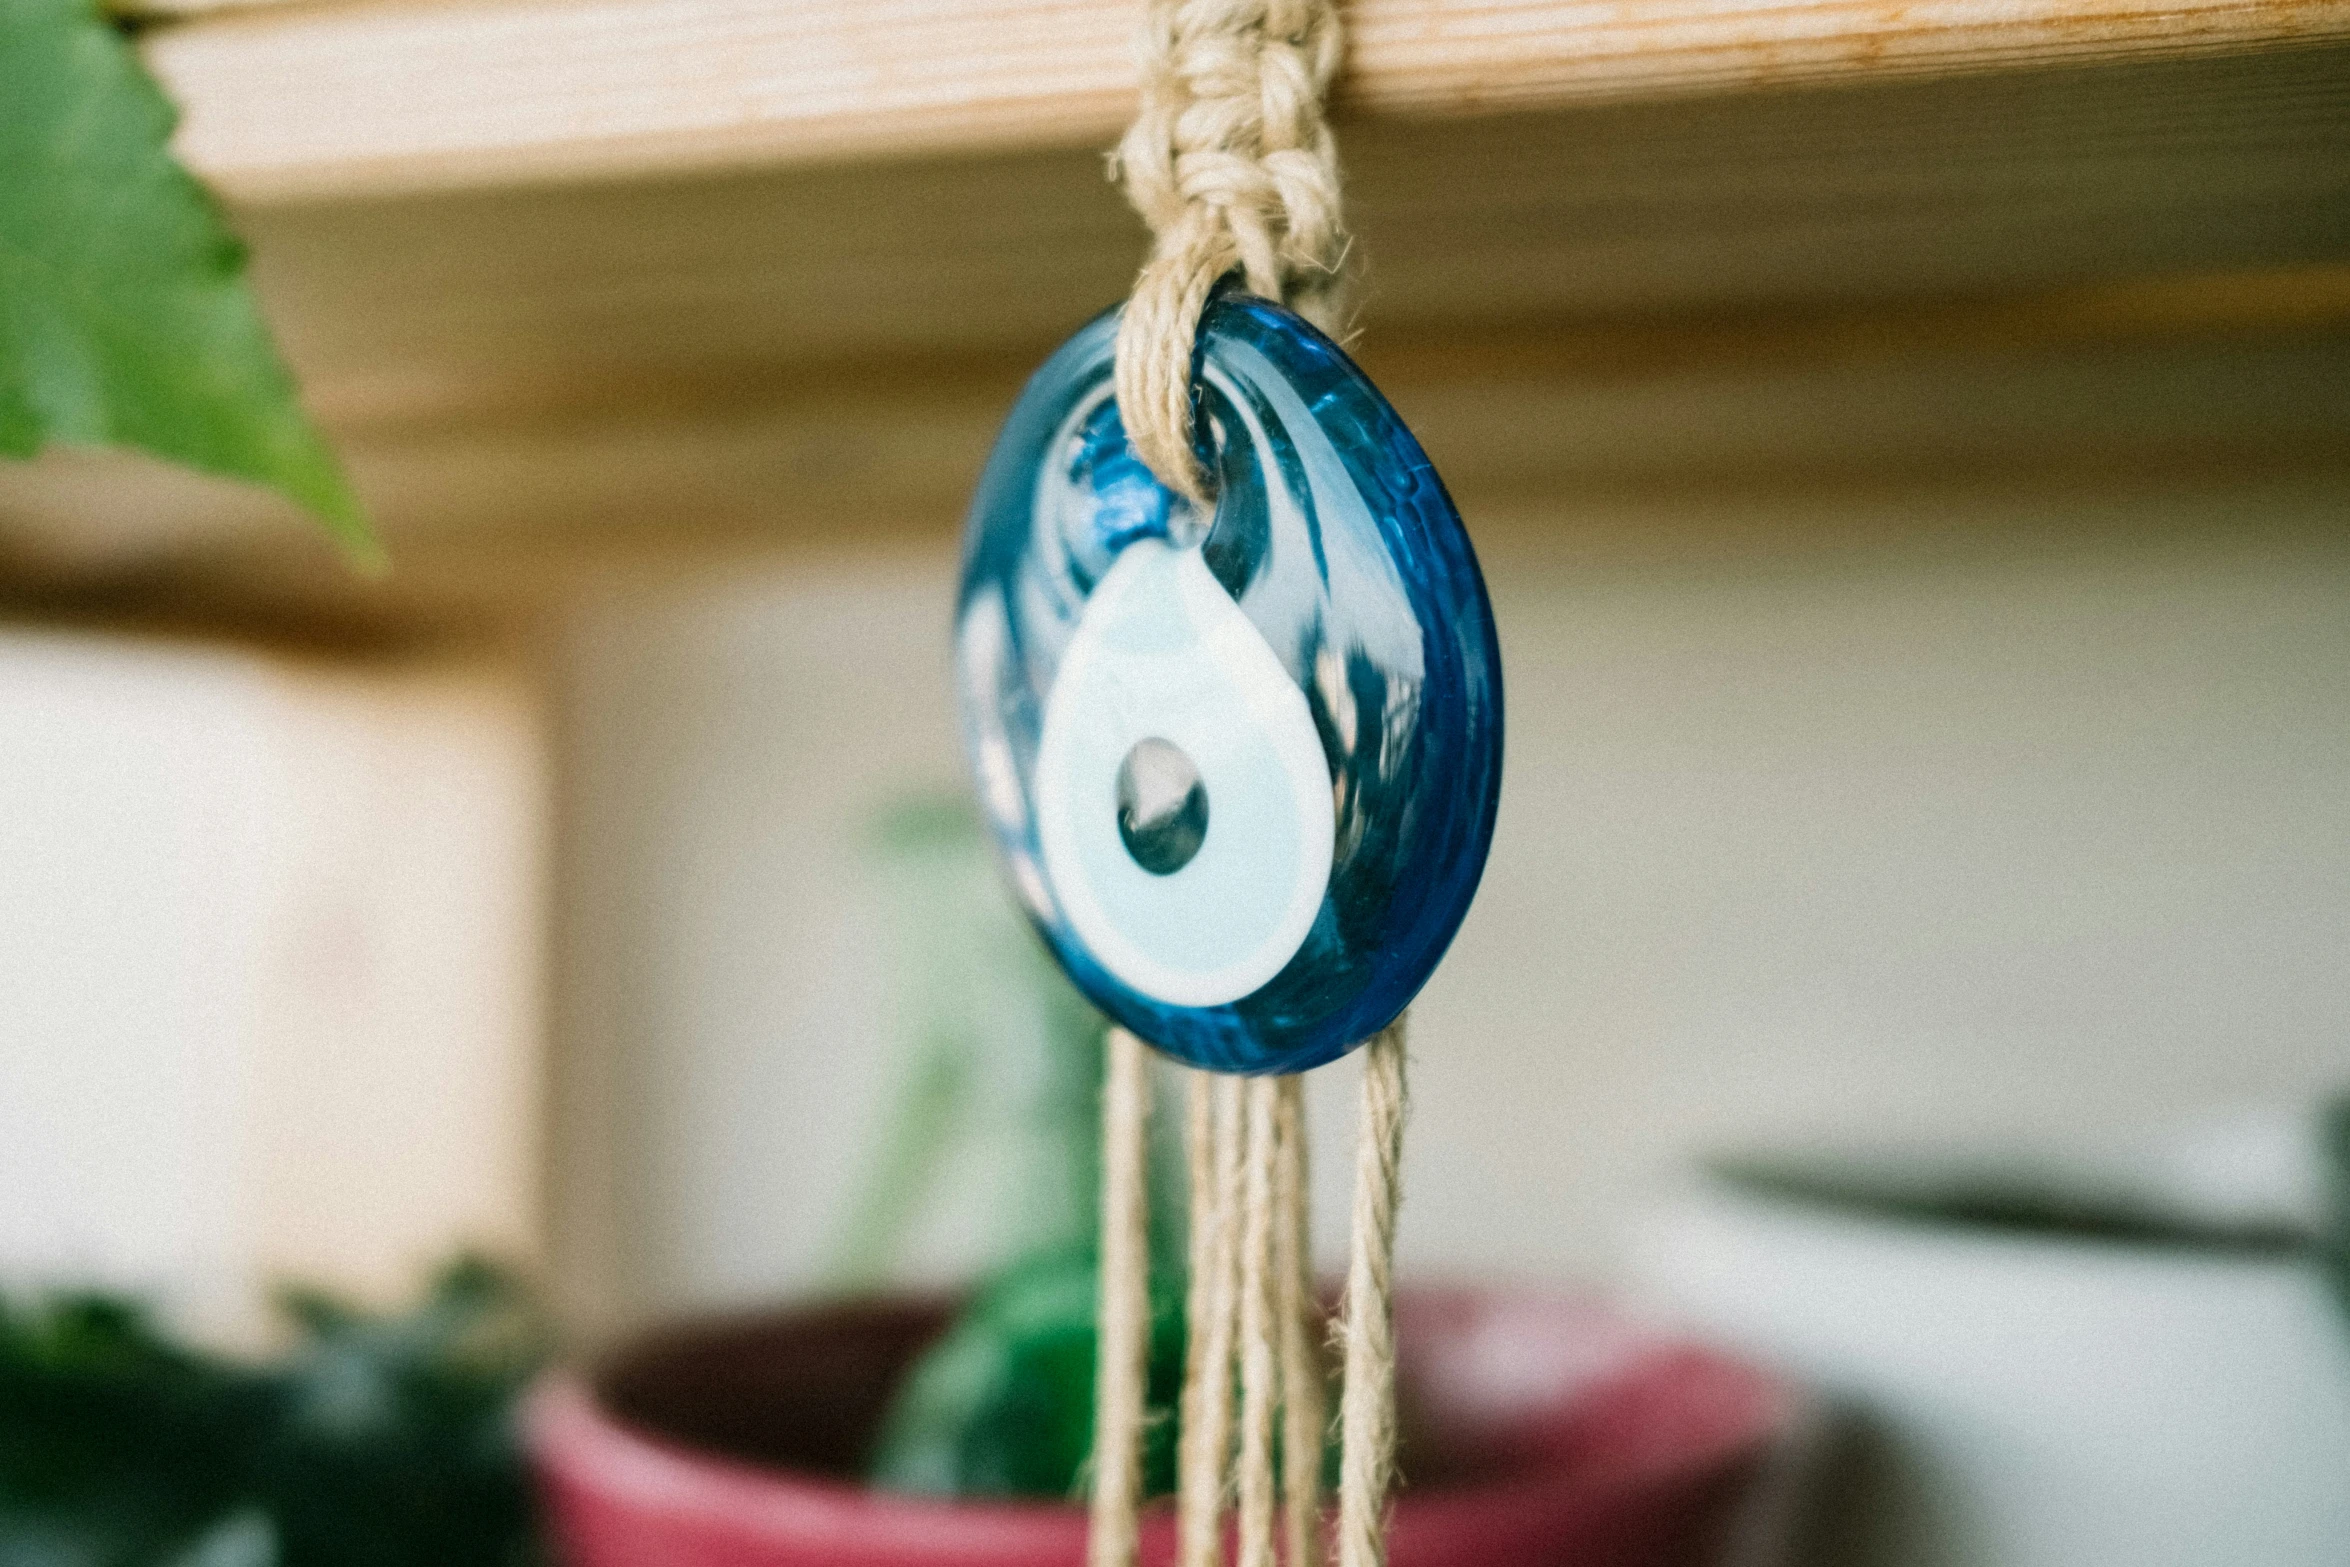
(1298, 1319)
(1231, 163)
(1251, 1308)
(1366, 1409)
(1122, 1315)
(1212, 1142)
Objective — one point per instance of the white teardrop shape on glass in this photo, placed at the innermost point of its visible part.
(1162, 654)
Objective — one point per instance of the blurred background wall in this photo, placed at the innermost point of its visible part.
(271, 968)
(1923, 816)
(1943, 815)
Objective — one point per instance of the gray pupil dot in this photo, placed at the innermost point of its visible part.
(1162, 807)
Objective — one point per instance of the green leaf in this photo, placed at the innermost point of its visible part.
(1002, 1405)
(125, 319)
(2333, 1245)
(382, 1441)
(118, 1448)
(242, 1539)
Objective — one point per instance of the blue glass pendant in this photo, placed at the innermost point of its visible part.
(1242, 767)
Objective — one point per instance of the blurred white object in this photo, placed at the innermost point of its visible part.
(2032, 1399)
(2259, 1169)
(269, 969)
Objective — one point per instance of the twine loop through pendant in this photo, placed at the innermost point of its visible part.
(1231, 162)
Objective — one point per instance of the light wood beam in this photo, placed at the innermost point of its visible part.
(381, 96)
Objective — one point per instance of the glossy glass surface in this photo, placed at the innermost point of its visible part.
(1242, 768)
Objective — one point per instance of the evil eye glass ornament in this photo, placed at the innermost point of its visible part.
(1242, 766)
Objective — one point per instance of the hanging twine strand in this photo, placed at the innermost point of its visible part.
(1224, 1327)
(1251, 1295)
(1124, 1313)
(1205, 1440)
(1298, 1321)
(1366, 1410)
(1259, 1367)
(1231, 163)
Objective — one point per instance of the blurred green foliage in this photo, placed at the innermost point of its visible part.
(125, 318)
(1003, 1405)
(2334, 1242)
(379, 1441)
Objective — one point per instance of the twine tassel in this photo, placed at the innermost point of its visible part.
(1251, 1299)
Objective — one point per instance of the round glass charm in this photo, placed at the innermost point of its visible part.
(1242, 767)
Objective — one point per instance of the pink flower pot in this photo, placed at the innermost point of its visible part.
(1537, 1431)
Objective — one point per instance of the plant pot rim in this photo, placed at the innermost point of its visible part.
(1749, 1416)
(1975, 1205)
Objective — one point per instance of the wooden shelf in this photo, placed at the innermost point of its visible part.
(328, 100)
(576, 280)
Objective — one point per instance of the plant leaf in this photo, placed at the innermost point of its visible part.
(384, 1440)
(1002, 1405)
(2333, 1246)
(125, 319)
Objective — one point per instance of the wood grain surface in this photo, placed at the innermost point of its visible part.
(2096, 271)
(330, 99)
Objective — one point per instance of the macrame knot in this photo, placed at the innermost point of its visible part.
(1231, 163)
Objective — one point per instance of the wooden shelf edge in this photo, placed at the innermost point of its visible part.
(390, 97)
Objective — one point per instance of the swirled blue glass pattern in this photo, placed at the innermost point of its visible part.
(1241, 765)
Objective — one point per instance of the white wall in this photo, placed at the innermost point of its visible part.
(270, 956)
(1920, 816)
